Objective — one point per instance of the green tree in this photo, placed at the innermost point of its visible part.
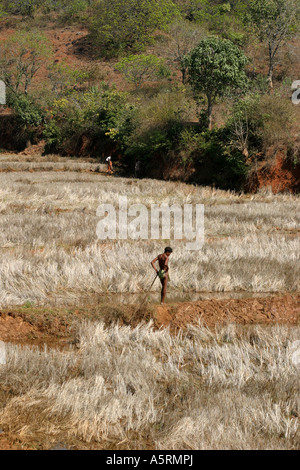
(29, 116)
(139, 68)
(223, 18)
(21, 57)
(273, 21)
(2, 12)
(117, 26)
(216, 67)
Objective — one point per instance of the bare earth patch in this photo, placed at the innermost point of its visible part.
(15, 329)
(270, 310)
(32, 326)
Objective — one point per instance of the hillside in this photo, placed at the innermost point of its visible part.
(157, 122)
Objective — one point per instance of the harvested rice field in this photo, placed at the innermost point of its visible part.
(93, 361)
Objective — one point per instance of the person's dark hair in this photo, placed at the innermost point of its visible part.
(168, 249)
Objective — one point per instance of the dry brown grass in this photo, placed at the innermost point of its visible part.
(231, 388)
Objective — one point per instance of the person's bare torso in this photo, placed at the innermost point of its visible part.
(163, 262)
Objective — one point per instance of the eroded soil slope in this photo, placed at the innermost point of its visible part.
(24, 326)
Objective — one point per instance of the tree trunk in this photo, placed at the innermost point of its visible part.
(209, 113)
(245, 153)
(183, 73)
(270, 80)
(271, 70)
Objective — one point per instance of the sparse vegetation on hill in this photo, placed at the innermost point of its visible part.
(152, 104)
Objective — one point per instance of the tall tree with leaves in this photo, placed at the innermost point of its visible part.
(216, 67)
(274, 22)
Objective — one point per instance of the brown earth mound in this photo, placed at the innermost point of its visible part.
(281, 176)
(15, 328)
(283, 310)
(56, 328)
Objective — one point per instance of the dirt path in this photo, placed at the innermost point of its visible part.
(55, 327)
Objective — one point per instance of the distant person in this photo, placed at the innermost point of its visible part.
(163, 272)
(109, 165)
(138, 169)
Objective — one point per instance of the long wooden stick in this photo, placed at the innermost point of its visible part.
(142, 303)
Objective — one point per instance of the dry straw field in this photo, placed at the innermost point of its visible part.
(48, 238)
(138, 388)
(117, 387)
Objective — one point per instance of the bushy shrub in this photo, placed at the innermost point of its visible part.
(27, 109)
(53, 136)
(267, 120)
(213, 159)
(75, 7)
(72, 10)
(138, 69)
(21, 7)
(276, 114)
(101, 111)
(117, 26)
(29, 116)
(221, 18)
(64, 79)
(157, 125)
(28, 8)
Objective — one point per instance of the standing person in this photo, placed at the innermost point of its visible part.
(137, 169)
(163, 272)
(109, 165)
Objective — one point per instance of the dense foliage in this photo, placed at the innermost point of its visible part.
(216, 67)
(118, 26)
